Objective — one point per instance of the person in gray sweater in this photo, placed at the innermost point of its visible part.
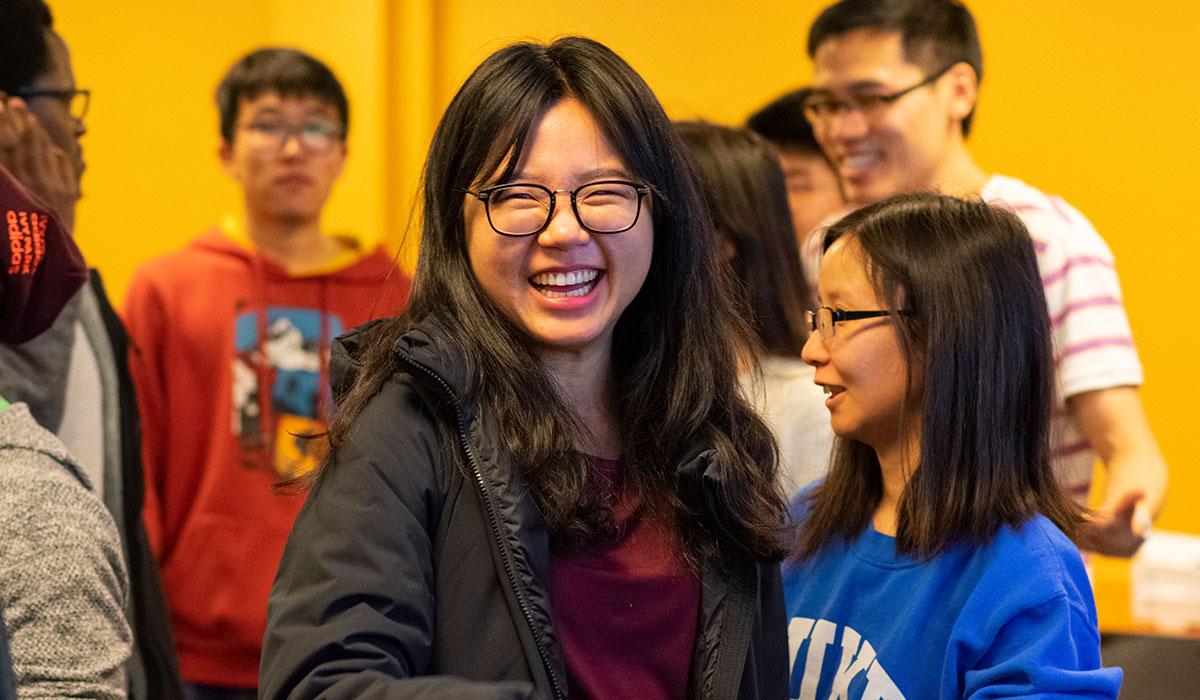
(63, 582)
(62, 578)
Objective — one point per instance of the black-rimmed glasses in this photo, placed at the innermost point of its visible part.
(525, 209)
(314, 137)
(822, 106)
(825, 319)
(77, 100)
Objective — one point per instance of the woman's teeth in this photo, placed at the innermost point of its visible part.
(557, 285)
(564, 279)
(573, 293)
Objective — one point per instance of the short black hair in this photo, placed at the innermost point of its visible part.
(24, 52)
(935, 33)
(782, 122)
(289, 72)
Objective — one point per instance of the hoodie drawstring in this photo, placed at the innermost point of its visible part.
(324, 397)
(262, 367)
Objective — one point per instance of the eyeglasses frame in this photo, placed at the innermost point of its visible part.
(854, 104)
(484, 195)
(66, 94)
(291, 131)
(837, 316)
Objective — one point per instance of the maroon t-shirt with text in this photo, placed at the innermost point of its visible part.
(626, 612)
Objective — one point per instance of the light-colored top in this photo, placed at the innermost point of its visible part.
(1093, 344)
(794, 407)
(62, 579)
(82, 429)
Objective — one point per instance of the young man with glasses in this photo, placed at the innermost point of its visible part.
(74, 377)
(894, 92)
(232, 338)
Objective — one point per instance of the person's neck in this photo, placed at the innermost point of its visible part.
(897, 462)
(66, 217)
(584, 381)
(960, 175)
(290, 244)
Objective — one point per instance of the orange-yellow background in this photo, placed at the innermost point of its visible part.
(1095, 101)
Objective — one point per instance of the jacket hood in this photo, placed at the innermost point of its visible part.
(19, 431)
(363, 269)
(425, 345)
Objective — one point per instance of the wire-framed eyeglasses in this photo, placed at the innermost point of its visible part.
(825, 319)
(822, 106)
(315, 137)
(525, 209)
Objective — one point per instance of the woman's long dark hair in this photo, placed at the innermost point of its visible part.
(743, 184)
(977, 331)
(674, 357)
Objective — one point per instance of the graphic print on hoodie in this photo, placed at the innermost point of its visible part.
(230, 358)
(292, 357)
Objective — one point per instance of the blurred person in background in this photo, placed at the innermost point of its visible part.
(813, 190)
(74, 377)
(740, 177)
(895, 86)
(63, 585)
(231, 349)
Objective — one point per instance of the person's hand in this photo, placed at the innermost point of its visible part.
(41, 166)
(1118, 527)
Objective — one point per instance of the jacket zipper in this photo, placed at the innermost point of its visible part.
(494, 522)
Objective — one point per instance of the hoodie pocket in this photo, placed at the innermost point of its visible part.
(219, 579)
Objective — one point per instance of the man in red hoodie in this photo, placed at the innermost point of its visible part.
(231, 343)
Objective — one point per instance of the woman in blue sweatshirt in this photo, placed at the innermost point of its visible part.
(934, 560)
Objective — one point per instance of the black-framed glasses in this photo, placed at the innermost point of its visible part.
(525, 209)
(314, 137)
(823, 106)
(825, 319)
(76, 100)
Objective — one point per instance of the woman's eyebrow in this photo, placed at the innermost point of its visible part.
(583, 177)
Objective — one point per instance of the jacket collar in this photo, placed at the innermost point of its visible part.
(427, 344)
(699, 475)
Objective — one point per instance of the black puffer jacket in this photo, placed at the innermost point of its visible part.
(417, 570)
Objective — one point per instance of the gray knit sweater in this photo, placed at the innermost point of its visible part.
(62, 578)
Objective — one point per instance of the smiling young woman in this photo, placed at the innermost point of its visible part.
(933, 345)
(544, 479)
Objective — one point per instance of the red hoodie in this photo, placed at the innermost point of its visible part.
(230, 357)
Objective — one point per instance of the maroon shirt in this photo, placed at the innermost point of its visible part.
(626, 612)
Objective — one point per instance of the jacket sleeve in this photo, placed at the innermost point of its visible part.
(1050, 650)
(63, 586)
(351, 612)
(145, 320)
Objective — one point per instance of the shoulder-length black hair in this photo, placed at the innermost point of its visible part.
(674, 357)
(743, 184)
(976, 330)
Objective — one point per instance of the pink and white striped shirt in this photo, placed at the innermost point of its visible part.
(1093, 343)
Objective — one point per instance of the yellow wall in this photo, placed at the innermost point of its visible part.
(1090, 100)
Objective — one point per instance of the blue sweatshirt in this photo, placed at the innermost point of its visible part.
(1013, 618)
